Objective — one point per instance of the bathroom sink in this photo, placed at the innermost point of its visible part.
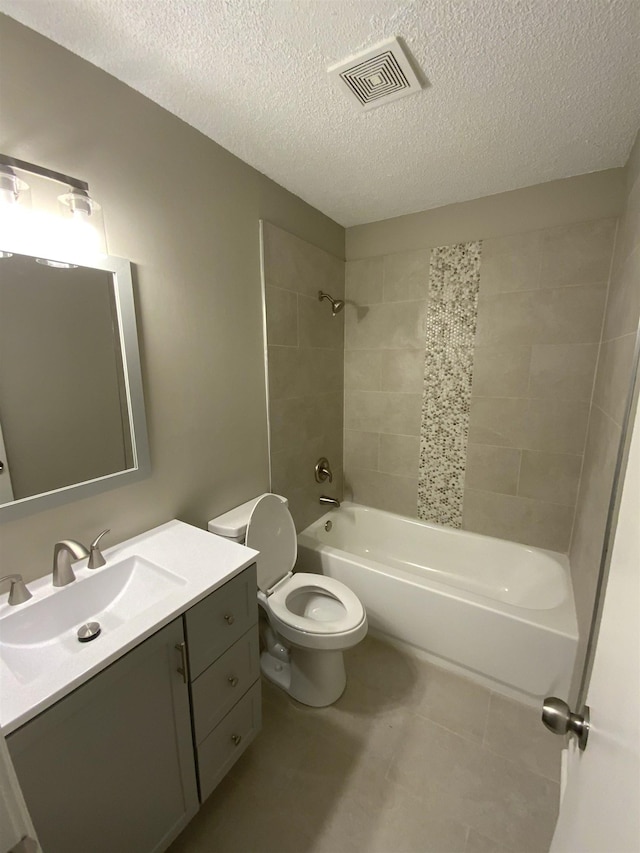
(43, 633)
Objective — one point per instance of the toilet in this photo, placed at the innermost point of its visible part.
(310, 619)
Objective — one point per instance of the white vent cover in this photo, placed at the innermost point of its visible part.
(376, 76)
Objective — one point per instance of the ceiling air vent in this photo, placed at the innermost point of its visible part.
(377, 75)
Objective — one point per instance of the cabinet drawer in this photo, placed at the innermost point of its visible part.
(221, 749)
(223, 617)
(215, 692)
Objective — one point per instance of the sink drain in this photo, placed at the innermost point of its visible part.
(89, 631)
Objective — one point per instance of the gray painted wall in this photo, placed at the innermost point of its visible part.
(186, 213)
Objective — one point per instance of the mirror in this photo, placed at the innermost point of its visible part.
(72, 420)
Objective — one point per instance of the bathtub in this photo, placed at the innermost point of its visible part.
(497, 611)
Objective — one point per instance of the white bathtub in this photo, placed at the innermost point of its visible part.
(498, 611)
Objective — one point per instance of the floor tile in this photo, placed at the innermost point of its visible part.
(454, 702)
(489, 793)
(517, 733)
(411, 759)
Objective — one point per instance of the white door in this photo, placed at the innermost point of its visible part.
(600, 810)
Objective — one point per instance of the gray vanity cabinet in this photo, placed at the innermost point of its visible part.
(224, 671)
(110, 767)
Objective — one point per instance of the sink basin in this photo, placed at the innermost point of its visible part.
(43, 633)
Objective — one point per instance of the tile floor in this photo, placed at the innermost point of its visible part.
(411, 759)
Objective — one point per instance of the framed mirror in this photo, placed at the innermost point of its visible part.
(72, 419)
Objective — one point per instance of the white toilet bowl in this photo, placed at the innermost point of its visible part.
(311, 618)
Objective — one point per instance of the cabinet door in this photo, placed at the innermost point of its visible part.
(110, 767)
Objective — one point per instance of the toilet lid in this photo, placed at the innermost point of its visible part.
(271, 531)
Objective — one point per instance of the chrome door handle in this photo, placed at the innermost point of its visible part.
(560, 719)
(182, 648)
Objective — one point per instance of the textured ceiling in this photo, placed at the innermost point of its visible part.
(519, 91)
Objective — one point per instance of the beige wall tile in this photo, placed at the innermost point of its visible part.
(571, 315)
(615, 375)
(285, 419)
(497, 420)
(563, 371)
(362, 370)
(323, 416)
(295, 264)
(287, 377)
(384, 411)
(316, 325)
(552, 477)
(282, 317)
(577, 254)
(323, 369)
(402, 370)
(623, 303)
(510, 263)
(537, 523)
(501, 371)
(361, 450)
(406, 276)
(399, 454)
(494, 469)
(383, 491)
(555, 426)
(363, 281)
(297, 372)
(394, 325)
(505, 319)
(546, 316)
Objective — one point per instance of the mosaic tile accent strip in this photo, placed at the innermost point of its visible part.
(454, 279)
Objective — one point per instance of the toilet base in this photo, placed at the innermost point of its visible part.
(314, 678)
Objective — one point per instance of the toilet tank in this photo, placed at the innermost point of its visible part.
(233, 524)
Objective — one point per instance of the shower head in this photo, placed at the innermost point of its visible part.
(336, 304)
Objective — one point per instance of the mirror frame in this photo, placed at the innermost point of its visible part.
(120, 270)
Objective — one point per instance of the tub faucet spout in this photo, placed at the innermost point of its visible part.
(329, 501)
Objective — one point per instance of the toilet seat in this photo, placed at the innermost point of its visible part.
(271, 531)
(351, 617)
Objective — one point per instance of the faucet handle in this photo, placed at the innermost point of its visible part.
(323, 470)
(18, 592)
(96, 558)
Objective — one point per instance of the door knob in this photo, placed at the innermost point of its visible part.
(559, 719)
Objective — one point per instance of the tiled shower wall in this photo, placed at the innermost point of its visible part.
(612, 386)
(540, 309)
(305, 369)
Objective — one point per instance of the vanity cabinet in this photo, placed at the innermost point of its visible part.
(224, 675)
(110, 767)
(119, 765)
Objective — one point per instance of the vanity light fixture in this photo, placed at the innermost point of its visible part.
(76, 211)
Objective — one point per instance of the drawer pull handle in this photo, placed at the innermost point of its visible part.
(233, 680)
(182, 648)
(236, 739)
(229, 619)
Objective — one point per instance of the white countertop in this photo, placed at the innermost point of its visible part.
(200, 559)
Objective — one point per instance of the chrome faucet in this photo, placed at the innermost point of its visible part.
(18, 592)
(329, 501)
(62, 554)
